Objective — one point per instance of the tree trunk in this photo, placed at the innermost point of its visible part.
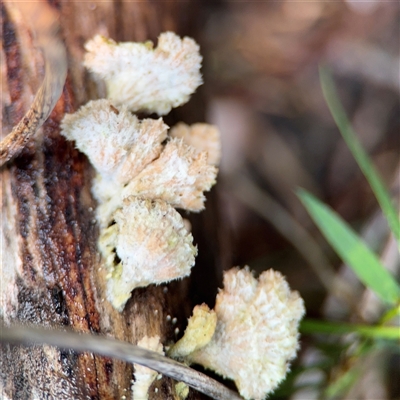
(51, 273)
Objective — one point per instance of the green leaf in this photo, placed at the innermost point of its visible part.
(352, 250)
(363, 161)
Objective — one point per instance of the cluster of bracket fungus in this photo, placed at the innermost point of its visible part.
(143, 173)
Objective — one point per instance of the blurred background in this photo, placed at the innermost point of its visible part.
(261, 63)
(262, 89)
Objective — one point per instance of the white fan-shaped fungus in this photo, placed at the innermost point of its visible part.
(256, 334)
(144, 78)
(147, 244)
(116, 142)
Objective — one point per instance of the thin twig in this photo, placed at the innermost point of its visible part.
(28, 336)
(45, 23)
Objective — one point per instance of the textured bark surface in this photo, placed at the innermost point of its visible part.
(50, 266)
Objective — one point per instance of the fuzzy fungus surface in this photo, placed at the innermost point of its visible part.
(117, 143)
(147, 244)
(144, 78)
(130, 158)
(256, 334)
(179, 176)
(201, 136)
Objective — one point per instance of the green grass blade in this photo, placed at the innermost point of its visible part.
(350, 137)
(351, 249)
(391, 314)
(338, 388)
(310, 326)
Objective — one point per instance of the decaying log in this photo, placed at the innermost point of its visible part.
(50, 264)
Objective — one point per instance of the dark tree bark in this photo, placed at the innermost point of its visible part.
(50, 263)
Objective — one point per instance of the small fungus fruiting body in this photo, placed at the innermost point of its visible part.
(144, 78)
(148, 244)
(144, 376)
(201, 328)
(182, 390)
(256, 334)
(117, 143)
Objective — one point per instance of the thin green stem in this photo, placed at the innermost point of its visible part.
(389, 315)
(350, 137)
(377, 332)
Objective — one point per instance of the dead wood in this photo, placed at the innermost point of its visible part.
(50, 264)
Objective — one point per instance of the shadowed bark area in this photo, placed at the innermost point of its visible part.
(50, 264)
